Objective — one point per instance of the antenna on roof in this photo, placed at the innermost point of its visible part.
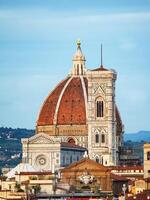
(101, 56)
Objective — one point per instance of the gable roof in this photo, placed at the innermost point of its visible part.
(41, 137)
(88, 164)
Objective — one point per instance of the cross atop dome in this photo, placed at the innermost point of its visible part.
(78, 61)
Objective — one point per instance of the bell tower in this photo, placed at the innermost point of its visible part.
(102, 144)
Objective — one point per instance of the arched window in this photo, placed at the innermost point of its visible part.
(148, 155)
(97, 159)
(77, 69)
(103, 138)
(100, 108)
(97, 138)
(81, 69)
(71, 140)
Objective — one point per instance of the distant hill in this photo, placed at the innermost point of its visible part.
(11, 148)
(10, 145)
(17, 133)
(137, 137)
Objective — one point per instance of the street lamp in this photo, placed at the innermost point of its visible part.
(124, 188)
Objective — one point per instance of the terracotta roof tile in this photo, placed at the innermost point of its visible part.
(71, 145)
(127, 168)
(118, 178)
(72, 105)
(71, 110)
(101, 68)
(141, 196)
(47, 112)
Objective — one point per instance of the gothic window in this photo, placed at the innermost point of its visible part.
(148, 155)
(97, 138)
(100, 108)
(103, 138)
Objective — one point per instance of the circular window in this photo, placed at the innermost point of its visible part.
(41, 160)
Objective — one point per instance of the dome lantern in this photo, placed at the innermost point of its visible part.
(78, 61)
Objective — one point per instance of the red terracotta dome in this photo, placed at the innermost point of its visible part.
(66, 104)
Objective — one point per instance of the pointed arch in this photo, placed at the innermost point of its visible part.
(99, 107)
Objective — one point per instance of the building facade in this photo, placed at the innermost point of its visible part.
(44, 153)
(82, 110)
(147, 160)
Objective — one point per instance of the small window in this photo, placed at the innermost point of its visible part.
(97, 159)
(100, 108)
(57, 155)
(63, 159)
(70, 159)
(81, 69)
(148, 155)
(57, 161)
(97, 138)
(103, 138)
(77, 69)
(102, 160)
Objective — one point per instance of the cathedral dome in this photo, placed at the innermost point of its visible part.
(80, 111)
(65, 112)
(66, 104)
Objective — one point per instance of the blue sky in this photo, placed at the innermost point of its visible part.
(37, 42)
